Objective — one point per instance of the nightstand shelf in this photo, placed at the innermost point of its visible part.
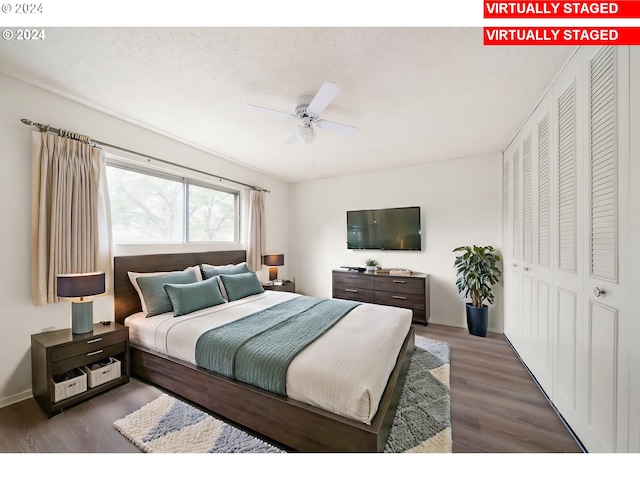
(59, 351)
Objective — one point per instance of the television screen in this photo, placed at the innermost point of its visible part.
(384, 229)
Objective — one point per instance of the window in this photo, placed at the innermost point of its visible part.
(211, 214)
(151, 207)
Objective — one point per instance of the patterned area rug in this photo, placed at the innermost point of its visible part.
(422, 423)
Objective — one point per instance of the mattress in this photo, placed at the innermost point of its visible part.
(345, 371)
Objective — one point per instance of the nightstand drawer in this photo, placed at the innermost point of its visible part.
(84, 347)
(88, 357)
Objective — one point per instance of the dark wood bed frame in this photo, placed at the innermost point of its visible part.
(293, 425)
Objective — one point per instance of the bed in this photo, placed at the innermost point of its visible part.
(299, 421)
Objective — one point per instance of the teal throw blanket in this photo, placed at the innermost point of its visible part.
(258, 349)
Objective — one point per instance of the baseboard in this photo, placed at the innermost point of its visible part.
(18, 397)
(564, 422)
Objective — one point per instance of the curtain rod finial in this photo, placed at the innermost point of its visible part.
(26, 122)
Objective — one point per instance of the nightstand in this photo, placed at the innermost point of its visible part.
(287, 286)
(64, 366)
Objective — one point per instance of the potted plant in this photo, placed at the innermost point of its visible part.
(477, 270)
(371, 265)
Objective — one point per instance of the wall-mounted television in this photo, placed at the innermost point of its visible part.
(384, 229)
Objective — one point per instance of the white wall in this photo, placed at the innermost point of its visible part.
(20, 318)
(460, 202)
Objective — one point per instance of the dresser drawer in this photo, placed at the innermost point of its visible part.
(350, 293)
(398, 284)
(414, 302)
(84, 347)
(353, 280)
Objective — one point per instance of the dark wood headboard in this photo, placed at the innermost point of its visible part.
(126, 300)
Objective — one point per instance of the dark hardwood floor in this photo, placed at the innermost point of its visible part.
(495, 407)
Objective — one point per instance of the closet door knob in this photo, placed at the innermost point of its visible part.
(526, 269)
(597, 292)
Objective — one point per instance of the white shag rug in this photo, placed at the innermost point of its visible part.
(422, 423)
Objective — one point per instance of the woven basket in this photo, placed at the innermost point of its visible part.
(105, 374)
(75, 382)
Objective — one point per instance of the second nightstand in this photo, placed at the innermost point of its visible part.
(287, 286)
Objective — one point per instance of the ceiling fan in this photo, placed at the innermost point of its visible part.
(307, 110)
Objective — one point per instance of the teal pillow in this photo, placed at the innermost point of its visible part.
(155, 296)
(187, 298)
(226, 270)
(241, 285)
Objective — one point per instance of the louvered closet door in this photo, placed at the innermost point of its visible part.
(526, 259)
(528, 223)
(542, 231)
(507, 240)
(512, 226)
(607, 213)
(523, 245)
(569, 325)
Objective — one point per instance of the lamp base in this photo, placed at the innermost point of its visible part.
(273, 273)
(82, 317)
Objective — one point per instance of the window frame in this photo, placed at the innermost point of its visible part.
(115, 161)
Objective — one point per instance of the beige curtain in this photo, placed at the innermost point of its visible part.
(257, 230)
(70, 229)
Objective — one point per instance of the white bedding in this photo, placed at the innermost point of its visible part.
(345, 371)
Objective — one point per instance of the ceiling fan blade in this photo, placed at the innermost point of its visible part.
(337, 127)
(293, 138)
(327, 93)
(269, 111)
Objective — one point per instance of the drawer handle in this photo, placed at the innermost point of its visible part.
(399, 281)
(398, 297)
(350, 290)
(94, 353)
(95, 340)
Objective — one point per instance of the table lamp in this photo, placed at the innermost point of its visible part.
(80, 287)
(273, 262)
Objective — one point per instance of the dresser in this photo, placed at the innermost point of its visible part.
(408, 291)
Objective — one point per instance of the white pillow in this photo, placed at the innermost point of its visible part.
(134, 275)
(206, 265)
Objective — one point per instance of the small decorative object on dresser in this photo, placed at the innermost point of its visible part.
(67, 368)
(371, 265)
(408, 291)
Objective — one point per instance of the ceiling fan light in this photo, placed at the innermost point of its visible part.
(306, 134)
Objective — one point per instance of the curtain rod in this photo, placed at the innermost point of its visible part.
(47, 128)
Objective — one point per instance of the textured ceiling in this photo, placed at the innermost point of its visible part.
(416, 94)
